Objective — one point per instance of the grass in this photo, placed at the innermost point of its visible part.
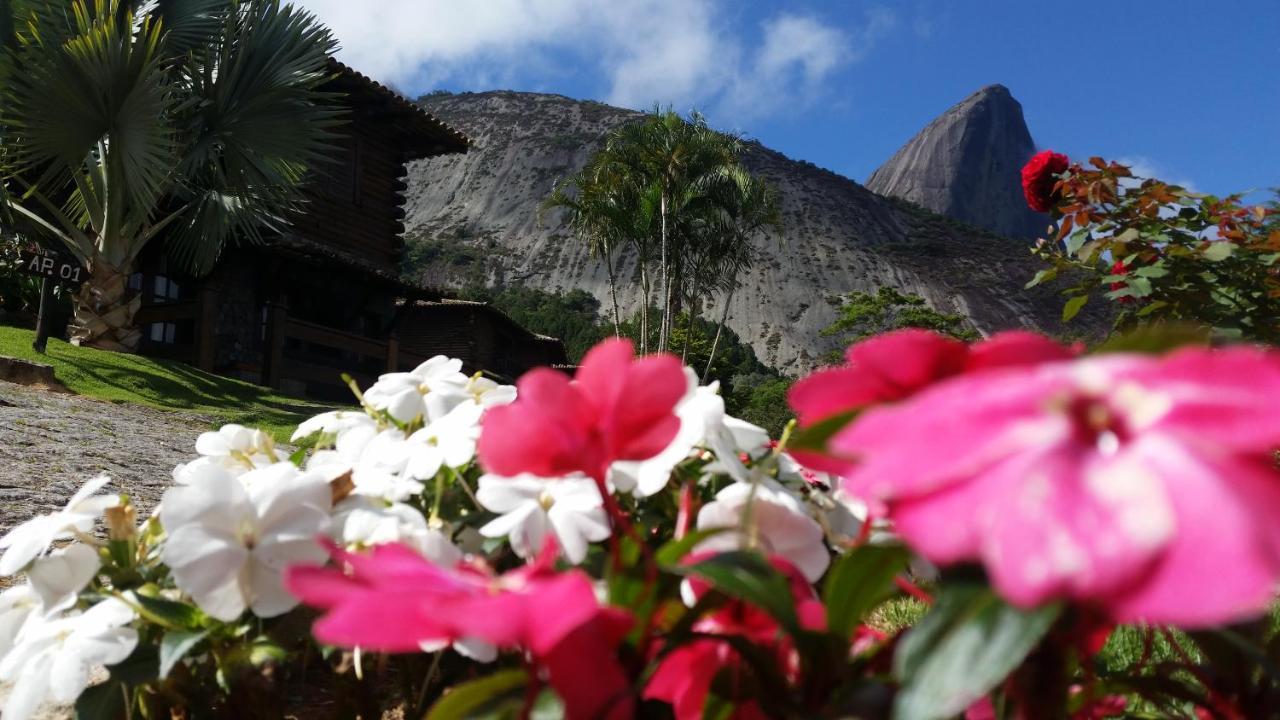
(163, 384)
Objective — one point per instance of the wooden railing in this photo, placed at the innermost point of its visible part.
(278, 366)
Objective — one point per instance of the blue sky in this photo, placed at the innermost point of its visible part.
(1188, 91)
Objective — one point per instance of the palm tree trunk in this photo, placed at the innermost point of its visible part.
(665, 280)
(688, 333)
(104, 311)
(644, 307)
(715, 344)
(613, 290)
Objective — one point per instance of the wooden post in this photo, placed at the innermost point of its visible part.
(42, 315)
(273, 351)
(393, 353)
(206, 328)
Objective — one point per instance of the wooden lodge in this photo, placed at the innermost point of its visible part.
(326, 297)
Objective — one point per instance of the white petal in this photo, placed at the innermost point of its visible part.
(28, 540)
(64, 573)
(267, 588)
(219, 499)
(29, 692)
(208, 567)
(502, 494)
(476, 649)
(507, 524)
(87, 491)
(285, 490)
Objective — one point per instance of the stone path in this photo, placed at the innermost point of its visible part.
(51, 443)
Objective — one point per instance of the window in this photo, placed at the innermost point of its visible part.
(165, 333)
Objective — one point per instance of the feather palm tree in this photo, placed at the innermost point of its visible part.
(124, 122)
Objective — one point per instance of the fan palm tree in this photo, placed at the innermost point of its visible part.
(123, 122)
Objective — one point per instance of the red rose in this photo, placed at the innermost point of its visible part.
(1038, 177)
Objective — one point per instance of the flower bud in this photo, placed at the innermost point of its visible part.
(122, 522)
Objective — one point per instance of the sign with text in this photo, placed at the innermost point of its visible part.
(62, 269)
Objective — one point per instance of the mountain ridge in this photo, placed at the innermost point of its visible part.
(475, 219)
(965, 164)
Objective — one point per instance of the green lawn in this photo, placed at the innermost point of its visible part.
(163, 384)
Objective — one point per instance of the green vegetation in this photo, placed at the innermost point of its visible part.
(573, 317)
(163, 384)
(123, 122)
(863, 315)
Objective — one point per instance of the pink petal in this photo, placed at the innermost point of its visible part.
(836, 390)
(1016, 347)
(1223, 398)
(1224, 563)
(583, 668)
(643, 422)
(603, 372)
(1066, 522)
(908, 360)
(951, 431)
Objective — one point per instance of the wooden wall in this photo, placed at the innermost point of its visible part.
(355, 203)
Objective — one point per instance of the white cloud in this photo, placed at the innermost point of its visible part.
(1145, 167)
(637, 52)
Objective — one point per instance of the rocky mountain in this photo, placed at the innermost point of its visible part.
(475, 218)
(965, 164)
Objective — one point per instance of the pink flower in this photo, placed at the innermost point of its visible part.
(685, 675)
(1143, 485)
(898, 364)
(393, 600)
(617, 408)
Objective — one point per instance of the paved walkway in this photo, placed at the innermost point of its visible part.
(50, 443)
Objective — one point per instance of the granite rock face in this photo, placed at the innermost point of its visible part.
(474, 219)
(965, 165)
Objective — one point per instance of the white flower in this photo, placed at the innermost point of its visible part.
(334, 423)
(449, 441)
(19, 608)
(237, 448)
(53, 660)
(361, 521)
(229, 541)
(60, 576)
(32, 538)
(376, 460)
(486, 393)
(427, 392)
(703, 424)
(569, 508)
(778, 521)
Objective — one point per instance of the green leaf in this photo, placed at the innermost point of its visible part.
(1151, 307)
(1152, 271)
(1218, 251)
(174, 646)
(1156, 338)
(814, 438)
(673, 551)
(858, 582)
(1127, 236)
(965, 646)
(747, 576)
(1042, 276)
(1073, 306)
(171, 614)
(1075, 241)
(475, 698)
(104, 701)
